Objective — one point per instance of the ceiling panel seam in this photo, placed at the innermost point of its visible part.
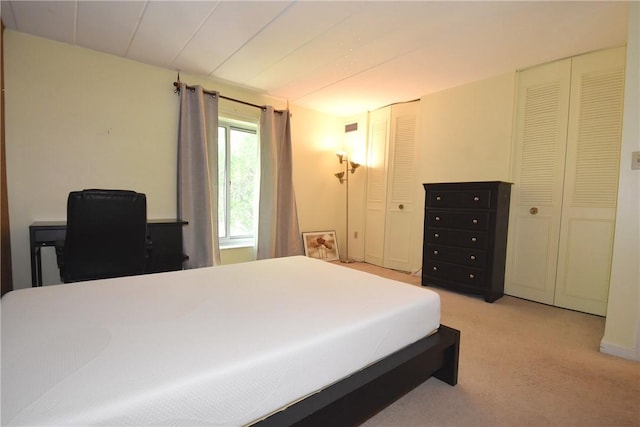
(135, 28)
(195, 32)
(13, 15)
(361, 71)
(75, 22)
(282, 12)
(300, 47)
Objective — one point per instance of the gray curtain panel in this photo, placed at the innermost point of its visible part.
(278, 229)
(198, 176)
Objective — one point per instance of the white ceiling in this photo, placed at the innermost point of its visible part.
(340, 57)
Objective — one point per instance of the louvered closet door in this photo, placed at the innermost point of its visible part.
(538, 170)
(376, 186)
(400, 226)
(591, 181)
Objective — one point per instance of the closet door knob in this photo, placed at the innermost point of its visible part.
(435, 252)
(435, 268)
(437, 218)
(436, 235)
(476, 199)
(438, 198)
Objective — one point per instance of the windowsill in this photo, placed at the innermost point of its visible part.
(236, 245)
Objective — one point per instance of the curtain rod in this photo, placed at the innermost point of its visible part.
(262, 107)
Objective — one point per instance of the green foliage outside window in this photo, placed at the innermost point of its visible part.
(237, 174)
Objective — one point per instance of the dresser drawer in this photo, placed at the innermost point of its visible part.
(467, 199)
(456, 273)
(448, 219)
(470, 257)
(463, 238)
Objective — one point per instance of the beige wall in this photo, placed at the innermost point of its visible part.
(466, 132)
(622, 331)
(78, 119)
(465, 135)
(355, 145)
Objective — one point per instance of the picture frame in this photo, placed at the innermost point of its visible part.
(321, 244)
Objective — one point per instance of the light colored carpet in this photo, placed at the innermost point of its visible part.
(521, 364)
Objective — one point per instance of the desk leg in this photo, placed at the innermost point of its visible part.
(39, 264)
(34, 278)
(36, 266)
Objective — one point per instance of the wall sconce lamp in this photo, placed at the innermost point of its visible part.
(343, 177)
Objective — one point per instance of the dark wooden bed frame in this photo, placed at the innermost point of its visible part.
(358, 397)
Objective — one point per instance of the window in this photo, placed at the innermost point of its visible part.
(237, 174)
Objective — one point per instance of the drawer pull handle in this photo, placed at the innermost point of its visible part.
(533, 210)
(435, 268)
(436, 235)
(476, 199)
(400, 206)
(473, 257)
(473, 239)
(471, 276)
(438, 198)
(435, 252)
(437, 218)
(475, 221)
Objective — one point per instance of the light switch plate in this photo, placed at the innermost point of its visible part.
(635, 160)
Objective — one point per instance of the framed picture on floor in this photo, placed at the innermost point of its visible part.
(321, 244)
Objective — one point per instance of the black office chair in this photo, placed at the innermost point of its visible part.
(106, 235)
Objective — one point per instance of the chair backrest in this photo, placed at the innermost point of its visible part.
(106, 235)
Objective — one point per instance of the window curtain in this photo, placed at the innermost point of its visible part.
(198, 176)
(278, 229)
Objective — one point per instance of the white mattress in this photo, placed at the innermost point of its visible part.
(214, 346)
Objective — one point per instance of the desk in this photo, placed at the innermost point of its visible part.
(165, 235)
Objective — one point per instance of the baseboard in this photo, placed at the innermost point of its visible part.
(623, 352)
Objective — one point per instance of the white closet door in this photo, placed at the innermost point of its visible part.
(376, 186)
(591, 181)
(401, 212)
(538, 170)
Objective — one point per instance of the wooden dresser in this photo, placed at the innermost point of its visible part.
(465, 237)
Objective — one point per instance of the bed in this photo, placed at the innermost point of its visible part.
(268, 343)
